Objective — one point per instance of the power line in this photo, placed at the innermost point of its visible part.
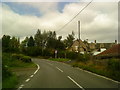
(74, 16)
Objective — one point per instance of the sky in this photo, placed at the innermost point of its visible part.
(99, 21)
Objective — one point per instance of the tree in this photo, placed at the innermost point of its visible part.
(5, 41)
(14, 44)
(38, 38)
(69, 41)
(31, 42)
(59, 38)
(24, 42)
(10, 45)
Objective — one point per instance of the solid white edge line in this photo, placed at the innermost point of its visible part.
(37, 69)
(27, 80)
(75, 83)
(99, 75)
(59, 69)
(20, 88)
(31, 75)
(21, 85)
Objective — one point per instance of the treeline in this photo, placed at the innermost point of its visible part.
(41, 44)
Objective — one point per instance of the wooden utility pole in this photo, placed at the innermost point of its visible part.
(79, 36)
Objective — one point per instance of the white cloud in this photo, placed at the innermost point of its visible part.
(98, 21)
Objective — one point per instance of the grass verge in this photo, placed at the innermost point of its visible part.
(10, 80)
(101, 70)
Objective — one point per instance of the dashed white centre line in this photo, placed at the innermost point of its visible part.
(59, 69)
(27, 80)
(75, 83)
(31, 75)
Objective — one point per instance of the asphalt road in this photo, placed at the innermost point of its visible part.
(59, 75)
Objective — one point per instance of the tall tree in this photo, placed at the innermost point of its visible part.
(31, 42)
(5, 43)
(38, 38)
(59, 38)
(24, 42)
(14, 44)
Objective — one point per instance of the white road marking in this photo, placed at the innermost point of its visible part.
(75, 83)
(59, 69)
(19, 88)
(31, 75)
(27, 80)
(22, 85)
(37, 69)
(99, 75)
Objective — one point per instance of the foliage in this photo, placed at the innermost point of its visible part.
(31, 42)
(114, 64)
(9, 61)
(111, 71)
(72, 55)
(10, 82)
(69, 41)
(83, 57)
(21, 57)
(10, 45)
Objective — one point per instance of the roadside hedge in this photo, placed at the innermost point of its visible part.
(22, 57)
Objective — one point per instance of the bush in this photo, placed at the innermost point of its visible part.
(21, 57)
(114, 64)
(72, 55)
(61, 54)
(26, 59)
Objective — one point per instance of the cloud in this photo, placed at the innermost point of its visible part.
(99, 21)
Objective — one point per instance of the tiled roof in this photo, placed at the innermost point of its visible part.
(115, 49)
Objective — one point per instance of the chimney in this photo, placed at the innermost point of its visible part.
(115, 41)
(95, 41)
(87, 40)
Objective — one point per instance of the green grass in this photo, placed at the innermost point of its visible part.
(10, 82)
(99, 70)
(8, 64)
(59, 59)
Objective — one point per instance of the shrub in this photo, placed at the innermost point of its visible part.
(26, 59)
(83, 57)
(72, 55)
(61, 54)
(21, 57)
(114, 64)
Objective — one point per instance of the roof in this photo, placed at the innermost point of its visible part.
(76, 43)
(115, 49)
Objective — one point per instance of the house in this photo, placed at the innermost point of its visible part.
(78, 45)
(114, 51)
(84, 46)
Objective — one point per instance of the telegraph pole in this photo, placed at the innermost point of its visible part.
(79, 36)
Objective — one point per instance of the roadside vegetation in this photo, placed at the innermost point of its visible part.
(109, 68)
(18, 54)
(11, 62)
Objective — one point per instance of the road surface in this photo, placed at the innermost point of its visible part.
(54, 74)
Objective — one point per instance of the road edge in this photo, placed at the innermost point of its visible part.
(29, 78)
